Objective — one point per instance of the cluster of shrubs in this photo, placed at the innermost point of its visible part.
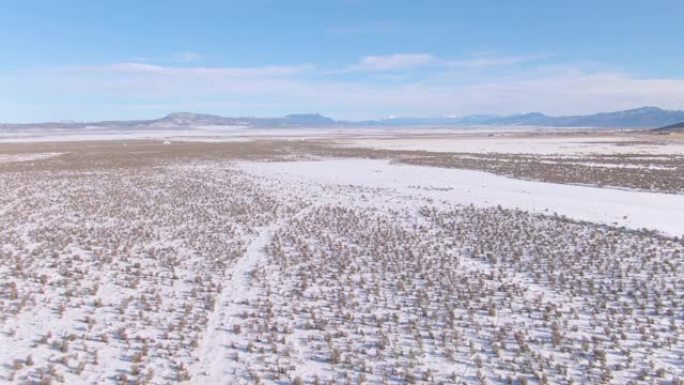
(122, 269)
(465, 295)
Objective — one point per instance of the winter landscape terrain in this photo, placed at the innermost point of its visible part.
(304, 256)
(341, 192)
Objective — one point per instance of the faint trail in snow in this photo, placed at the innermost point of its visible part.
(212, 352)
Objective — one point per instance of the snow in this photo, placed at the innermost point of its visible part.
(9, 158)
(212, 368)
(233, 133)
(555, 145)
(632, 209)
(244, 272)
(96, 134)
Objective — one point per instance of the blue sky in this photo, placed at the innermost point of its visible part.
(89, 60)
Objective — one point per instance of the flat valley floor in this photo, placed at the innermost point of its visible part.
(344, 259)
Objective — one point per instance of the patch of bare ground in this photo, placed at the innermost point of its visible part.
(142, 153)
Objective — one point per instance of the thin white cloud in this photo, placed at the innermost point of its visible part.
(557, 90)
(578, 93)
(412, 61)
(141, 80)
(489, 61)
(173, 58)
(396, 62)
(187, 56)
(151, 69)
(556, 95)
(370, 28)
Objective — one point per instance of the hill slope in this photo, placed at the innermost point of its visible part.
(677, 127)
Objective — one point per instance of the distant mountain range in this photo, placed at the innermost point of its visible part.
(645, 117)
(189, 119)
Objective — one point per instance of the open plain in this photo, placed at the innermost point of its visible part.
(441, 258)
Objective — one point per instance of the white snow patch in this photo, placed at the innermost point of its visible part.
(9, 158)
(632, 209)
(211, 367)
(604, 145)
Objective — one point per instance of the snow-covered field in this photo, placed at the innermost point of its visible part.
(332, 271)
(90, 134)
(524, 144)
(8, 158)
(632, 209)
(230, 133)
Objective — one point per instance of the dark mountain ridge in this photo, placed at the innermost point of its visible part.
(677, 127)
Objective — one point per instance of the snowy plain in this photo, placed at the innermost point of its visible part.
(237, 133)
(8, 158)
(632, 209)
(524, 144)
(328, 270)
